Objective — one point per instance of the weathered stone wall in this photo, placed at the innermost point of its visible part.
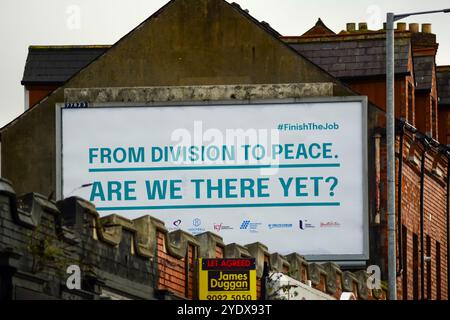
(40, 239)
(127, 259)
(186, 94)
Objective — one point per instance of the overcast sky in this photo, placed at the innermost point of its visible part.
(60, 22)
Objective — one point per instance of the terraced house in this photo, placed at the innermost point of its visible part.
(356, 56)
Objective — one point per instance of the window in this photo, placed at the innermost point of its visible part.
(415, 267)
(438, 271)
(428, 268)
(405, 262)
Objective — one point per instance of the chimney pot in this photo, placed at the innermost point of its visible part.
(414, 27)
(362, 26)
(401, 26)
(351, 27)
(426, 28)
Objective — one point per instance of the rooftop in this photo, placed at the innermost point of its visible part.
(56, 64)
(350, 53)
(47, 64)
(358, 58)
(360, 52)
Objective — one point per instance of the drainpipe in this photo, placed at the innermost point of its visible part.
(422, 181)
(377, 217)
(448, 218)
(186, 273)
(399, 199)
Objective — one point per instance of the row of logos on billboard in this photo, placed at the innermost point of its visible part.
(196, 226)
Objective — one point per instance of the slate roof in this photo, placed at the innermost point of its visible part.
(443, 80)
(354, 58)
(423, 71)
(56, 64)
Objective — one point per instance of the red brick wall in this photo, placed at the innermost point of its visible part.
(191, 272)
(423, 111)
(435, 194)
(435, 188)
(171, 271)
(258, 288)
(434, 226)
(410, 218)
(39, 92)
(219, 252)
(375, 90)
(176, 274)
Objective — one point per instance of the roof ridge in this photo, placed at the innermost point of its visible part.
(89, 46)
(341, 37)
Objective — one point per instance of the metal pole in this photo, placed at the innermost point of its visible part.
(406, 15)
(390, 138)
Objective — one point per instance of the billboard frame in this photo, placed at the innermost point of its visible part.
(345, 260)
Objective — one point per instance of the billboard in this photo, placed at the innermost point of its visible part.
(227, 279)
(290, 175)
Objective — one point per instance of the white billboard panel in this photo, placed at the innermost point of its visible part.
(290, 175)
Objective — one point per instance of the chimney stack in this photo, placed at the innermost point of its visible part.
(351, 27)
(426, 28)
(362, 26)
(401, 26)
(414, 27)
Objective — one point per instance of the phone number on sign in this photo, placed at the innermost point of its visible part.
(229, 297)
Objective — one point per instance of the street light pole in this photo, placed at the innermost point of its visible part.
(390, 138)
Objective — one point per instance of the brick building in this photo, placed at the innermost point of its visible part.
(190, 53)
(357, 57)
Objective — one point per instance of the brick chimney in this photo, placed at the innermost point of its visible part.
(401, 26)
(351, 27)
(414, 27)
(426, 28)
(424, 40)
(362, 26)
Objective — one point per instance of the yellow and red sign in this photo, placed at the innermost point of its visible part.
(227, 279)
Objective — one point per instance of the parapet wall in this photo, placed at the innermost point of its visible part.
(197, 94)
(128, 259)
